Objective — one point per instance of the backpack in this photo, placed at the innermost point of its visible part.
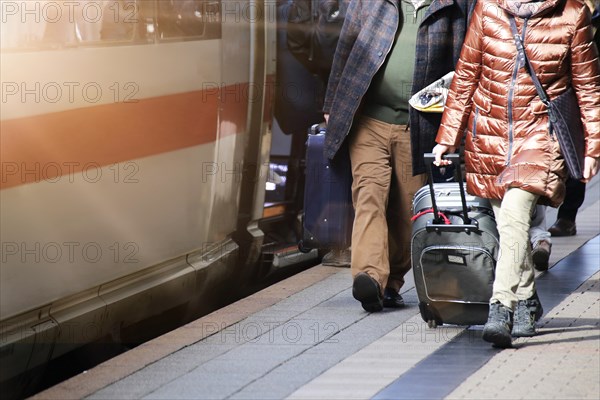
(313, 30)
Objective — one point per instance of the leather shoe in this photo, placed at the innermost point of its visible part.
(541, 254)
(392, 299)
(563, 227)
(367, 290)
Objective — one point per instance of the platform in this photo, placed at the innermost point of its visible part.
(307, 338)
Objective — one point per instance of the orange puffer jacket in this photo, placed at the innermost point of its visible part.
(508, 141)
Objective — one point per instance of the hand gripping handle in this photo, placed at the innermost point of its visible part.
(455, 158)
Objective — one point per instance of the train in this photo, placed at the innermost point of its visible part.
(137, 168)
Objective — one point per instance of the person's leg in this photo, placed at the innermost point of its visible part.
(538, 230)
(514, 272)
(371, 172)
(513, 269)
(573, 199)
(541, 243)
(399, 213)
(528, 308)
(567, 212)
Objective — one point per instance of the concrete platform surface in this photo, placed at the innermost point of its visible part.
(307, 338)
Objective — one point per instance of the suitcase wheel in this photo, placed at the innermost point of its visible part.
(429, 316)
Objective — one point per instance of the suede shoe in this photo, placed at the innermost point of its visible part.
(337, 258)
(524, 320)
(498, 327)
(541, 254)
(563, 227)
(526, 314)
(367, 290)
(392, 299)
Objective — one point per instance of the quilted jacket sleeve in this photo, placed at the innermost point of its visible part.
(585, 66)
(466, 78)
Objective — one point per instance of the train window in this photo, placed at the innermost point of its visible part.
(32, 24)
(117, 21)
(189, 19)
(46, 24)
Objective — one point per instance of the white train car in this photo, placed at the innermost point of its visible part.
(135, 140)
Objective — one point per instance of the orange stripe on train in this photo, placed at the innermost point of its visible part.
(43, 147)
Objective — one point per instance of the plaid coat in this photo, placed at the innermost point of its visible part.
(366, 38)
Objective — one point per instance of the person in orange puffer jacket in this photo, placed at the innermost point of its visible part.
(511, 156)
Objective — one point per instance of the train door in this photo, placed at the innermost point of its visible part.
(297, 99)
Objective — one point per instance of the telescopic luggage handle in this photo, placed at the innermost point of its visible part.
(437, 224)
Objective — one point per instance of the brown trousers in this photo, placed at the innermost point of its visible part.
(382, 194)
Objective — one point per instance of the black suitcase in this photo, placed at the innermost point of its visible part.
(453, 255)
(328, 211)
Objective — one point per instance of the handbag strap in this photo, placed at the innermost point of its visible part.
(523, 56)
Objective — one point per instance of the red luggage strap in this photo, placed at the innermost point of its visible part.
(430, 210)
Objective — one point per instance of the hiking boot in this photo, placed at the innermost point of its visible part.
(498, 327)
(541, 254)
(526, 314)
(524, 321)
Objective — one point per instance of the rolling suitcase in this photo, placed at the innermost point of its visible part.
(328, 211)
(453, 254)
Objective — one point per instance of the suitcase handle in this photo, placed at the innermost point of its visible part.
(317, 129)
(437, 223)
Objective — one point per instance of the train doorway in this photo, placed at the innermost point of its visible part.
(298, 98)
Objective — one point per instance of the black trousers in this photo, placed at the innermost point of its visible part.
(573, 200)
